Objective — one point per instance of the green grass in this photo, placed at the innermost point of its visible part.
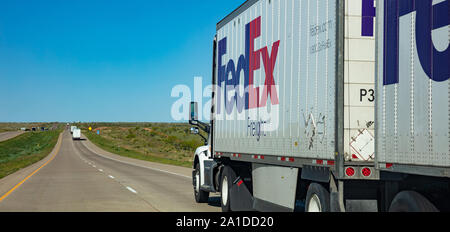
(25, 149)
(112, 147)
(169, 143)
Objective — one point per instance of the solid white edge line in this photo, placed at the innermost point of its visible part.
(155, 169)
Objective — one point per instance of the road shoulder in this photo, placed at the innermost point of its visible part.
(10, 181)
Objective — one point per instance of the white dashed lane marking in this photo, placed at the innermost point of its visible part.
(132, 190)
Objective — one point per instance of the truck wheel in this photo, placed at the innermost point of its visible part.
(200, 195)
(225, 189)
(317, 199)
(410, 201)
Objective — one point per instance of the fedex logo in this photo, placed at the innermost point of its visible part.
(230, 73)
(368, 15)
(429, 16)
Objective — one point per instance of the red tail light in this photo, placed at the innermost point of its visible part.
(366, 172)
(350, 171)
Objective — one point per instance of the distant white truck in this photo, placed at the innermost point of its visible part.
(72, 128)
(76, 135)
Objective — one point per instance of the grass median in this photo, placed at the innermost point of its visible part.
(26, 149)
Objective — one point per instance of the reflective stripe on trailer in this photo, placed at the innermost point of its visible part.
(258, 157)
(279, 158)
(240, 182)
(286, 159)
(236, 155)
(324, 162)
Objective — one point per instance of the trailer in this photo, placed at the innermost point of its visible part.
(302, 118)
(413, 104)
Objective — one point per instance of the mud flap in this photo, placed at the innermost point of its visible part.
(334, 202)
(241, 198)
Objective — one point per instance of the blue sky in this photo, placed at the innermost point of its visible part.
(95, 60)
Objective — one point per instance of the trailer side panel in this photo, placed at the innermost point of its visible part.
(413, 86)
(291, 46)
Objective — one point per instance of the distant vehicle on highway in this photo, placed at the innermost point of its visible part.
(72, 128)
(76, 135)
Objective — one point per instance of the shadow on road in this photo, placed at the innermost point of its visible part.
(214, 201)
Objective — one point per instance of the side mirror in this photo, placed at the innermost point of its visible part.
(194, 130)
(193, 113)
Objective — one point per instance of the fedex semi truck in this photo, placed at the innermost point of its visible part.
(328, 105)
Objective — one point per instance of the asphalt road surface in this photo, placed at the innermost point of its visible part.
(9, 135)
(78, 176)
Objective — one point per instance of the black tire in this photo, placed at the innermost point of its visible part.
(226, 177)
(200, 195)
(320, 195)
(410, 201)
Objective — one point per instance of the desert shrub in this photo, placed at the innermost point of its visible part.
(131, 136)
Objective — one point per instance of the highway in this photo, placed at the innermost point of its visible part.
(9, 135)
(80, 177)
